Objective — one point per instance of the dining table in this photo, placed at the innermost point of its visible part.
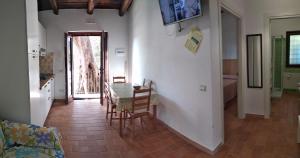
(122, 94)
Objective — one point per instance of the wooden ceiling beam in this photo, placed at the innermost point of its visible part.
(124, 7)
(91, 6)
(82, 5)
(54, 6)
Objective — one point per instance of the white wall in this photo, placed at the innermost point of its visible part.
(279, 27)
(255, 12)
(157, 52)
(229, 35)
(75, 20)
(14, 82)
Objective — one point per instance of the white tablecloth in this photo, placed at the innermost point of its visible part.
(122, 94)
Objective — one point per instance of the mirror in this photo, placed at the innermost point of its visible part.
(254, 61)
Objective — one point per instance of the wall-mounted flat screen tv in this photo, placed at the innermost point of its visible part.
(179, 10)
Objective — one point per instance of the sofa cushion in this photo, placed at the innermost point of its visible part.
(2, 141)
(47, 138)
(17, 134)
(28, 152)
(30, 135)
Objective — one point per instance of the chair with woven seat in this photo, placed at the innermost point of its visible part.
(119, 79)
(111, 106)
(140, 106)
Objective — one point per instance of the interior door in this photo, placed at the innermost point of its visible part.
(68, 69)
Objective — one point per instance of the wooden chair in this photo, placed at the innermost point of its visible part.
(147, 83)
(111, 106)
(140, 106)
(119, 79)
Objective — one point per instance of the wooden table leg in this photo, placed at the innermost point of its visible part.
(154, 111)
(121, 123)
(154, 116)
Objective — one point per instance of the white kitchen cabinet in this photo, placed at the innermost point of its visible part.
(19, 62)
(34, 84)
(52, 89)
(32, 26)
(43, 102)
(33, 61)
(42, 40)
(34, 78)
(46, 100)
(47, 103)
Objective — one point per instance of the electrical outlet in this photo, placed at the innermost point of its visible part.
(203, 88)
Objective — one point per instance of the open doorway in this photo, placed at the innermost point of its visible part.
(270, 55)
(285, 57)
(285, 45)
(232, 68)
(230, 47)
(86, 65)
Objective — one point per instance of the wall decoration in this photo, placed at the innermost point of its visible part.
(194, 40)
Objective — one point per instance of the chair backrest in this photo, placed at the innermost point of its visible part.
(147, 83)
(106, 90)
(107, 93)
(141, 99)
(119, 79)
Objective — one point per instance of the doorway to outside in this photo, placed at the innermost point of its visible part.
(86, 65)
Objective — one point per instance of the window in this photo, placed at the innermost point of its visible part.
(293, 49)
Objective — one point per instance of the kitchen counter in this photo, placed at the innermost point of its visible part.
(44, 81)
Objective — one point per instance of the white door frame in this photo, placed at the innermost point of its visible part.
(241, 96)
(267, 64)
(240, 92)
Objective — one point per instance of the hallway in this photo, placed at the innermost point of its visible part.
(86, 133)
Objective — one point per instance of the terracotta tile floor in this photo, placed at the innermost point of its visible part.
(86, 133)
